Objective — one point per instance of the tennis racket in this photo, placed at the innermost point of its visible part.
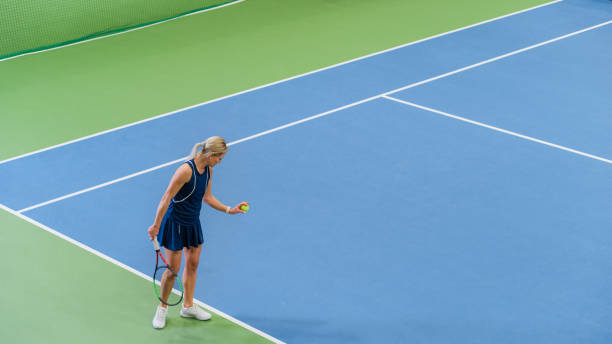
(164, 271)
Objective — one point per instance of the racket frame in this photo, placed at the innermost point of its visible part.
(158, 255)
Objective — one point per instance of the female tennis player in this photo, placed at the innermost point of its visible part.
(177, 223)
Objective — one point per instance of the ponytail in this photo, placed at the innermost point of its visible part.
(197, 149)
(214, 145)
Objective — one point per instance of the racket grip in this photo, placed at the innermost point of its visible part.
(155, 244)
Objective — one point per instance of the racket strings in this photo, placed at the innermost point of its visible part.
(174, 298)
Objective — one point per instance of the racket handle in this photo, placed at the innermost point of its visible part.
(155, 244)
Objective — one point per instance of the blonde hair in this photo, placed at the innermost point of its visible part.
(214, 145)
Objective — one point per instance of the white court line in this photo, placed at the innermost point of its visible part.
(101, 185)
(500, 130)
(273, 83)
(132, 270)
(333, 111)
(502, 56)
(120, 33)
(185, 158)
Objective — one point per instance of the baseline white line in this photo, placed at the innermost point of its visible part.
(274, 83)
(333, 111)
(119, 33)
(132, 270)
(529, 138)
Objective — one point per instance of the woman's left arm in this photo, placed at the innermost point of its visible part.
(215, 203)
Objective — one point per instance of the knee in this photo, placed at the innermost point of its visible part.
(191, 266)
(168, 276)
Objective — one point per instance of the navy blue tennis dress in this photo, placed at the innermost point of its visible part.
(181, 225)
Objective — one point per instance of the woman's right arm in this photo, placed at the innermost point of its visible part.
(180, 177)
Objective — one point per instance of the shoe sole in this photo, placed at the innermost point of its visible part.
(193, 317)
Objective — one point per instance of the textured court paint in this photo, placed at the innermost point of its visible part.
(55, 292)
(91, 87)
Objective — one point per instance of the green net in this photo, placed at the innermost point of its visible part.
(31, 25)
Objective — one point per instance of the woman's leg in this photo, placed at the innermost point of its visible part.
(167, 281)
(192, 260)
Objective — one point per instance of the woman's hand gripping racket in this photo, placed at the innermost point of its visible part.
(166, 274)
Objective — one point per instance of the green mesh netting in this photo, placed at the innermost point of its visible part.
(31, 25)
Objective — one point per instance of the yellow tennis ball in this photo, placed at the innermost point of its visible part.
(244, 207)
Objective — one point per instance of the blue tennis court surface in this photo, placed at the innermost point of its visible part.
(379, 221)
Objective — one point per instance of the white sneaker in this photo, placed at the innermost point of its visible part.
(194, 312)
(159, 321)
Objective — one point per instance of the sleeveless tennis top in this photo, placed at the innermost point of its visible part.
(185, 207)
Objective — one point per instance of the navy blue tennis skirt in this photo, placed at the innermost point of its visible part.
(176, 236)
